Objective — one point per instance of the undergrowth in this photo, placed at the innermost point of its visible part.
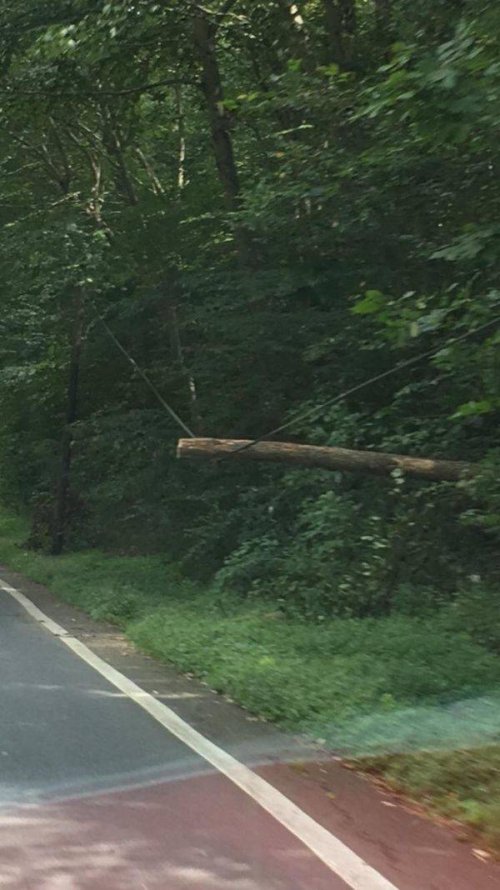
(464, 786)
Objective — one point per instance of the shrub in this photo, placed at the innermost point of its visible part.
(476, 610)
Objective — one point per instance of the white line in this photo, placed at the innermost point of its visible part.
(346, 864)
(34, 611)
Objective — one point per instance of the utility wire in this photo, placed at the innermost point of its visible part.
(312, 412)
(146, 379)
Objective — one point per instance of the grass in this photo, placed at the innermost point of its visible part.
(410, 699)
(464, 786)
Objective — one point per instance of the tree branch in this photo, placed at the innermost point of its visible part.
(144, 88)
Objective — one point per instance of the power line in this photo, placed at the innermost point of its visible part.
(312, 412)
(146, 379)
(430, 353)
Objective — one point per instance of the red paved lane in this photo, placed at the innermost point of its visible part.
(413, 852)
(196, 834)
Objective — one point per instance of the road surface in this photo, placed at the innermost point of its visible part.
(98, 794)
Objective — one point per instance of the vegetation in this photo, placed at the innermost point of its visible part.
(264, 204)
(464, 787)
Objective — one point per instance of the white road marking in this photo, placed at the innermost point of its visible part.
(34, 611)
(338, 857)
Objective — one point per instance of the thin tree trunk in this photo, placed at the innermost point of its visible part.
(383, 19)
(205, 32)
(61, 506)
(181, 163)
(349, 16)
(205, 35)
(382, 12)
(333, 21)
(155, 182)
(178, 354)
(171, 286)
(295, 27)
(123, 180)
(340, 20)
(335, 459)
(113, 143)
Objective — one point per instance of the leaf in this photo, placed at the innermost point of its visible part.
(482, 854)
(372, 303)
(329, 70)
(473, 408)
(230, 104)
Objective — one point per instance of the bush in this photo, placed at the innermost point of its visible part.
(316, 570)
(476, 610)
(350, 552)
(484, 488)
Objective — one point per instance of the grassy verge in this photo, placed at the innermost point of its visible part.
(408, 698)
(463, 785)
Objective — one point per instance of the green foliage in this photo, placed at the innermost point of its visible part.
(321, 547)
(476, 609)
(316, 569)
(322, 680)
(484, 490)
(462, 785)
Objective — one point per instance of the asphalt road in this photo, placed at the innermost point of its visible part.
(95, 795)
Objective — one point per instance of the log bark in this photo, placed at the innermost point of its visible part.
(334, 459)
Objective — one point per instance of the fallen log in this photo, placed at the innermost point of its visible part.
(333, 459)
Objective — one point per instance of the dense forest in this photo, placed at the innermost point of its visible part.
(245, 209)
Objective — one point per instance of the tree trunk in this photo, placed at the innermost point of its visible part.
(181, 129)
(61, 506)
(383, 20)
(205, 35)
(340, 20)
(178, 355)
(294, 23)
(205, 32)
(114, 147)
(335, 459)
(171, 287)
(382, 13)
